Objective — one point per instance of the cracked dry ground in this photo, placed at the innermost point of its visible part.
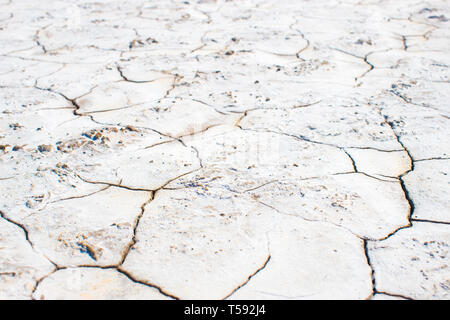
(224, 149)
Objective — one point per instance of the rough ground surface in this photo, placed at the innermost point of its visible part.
(224, 149)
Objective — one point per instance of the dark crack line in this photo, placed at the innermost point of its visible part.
(398, 94)
(74, 103)
(125, 78)
(41, 46)
(409, 101)
(145, 283)
(430, 221)
(352, 160)
(152, 196)
(394, 295)
(202, 102)
(76, 106)
(88, 113)
(27, 238)
(404, 43)
(394, 179)
(365, 59)
(125, 253)
(21, 226)
(306, 105)
(400, 177)
(306, 139)
(111, 184)
(372, 270)
(408, 199)
(260, 186)
(38, 281)
(371, 67)
(133, 240)
(375, 291)
(249, 277)
(237, 123)
(82, 196)
(114, 267)
(119, 185)
(431, 159)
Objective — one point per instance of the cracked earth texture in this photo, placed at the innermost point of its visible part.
(224, 149)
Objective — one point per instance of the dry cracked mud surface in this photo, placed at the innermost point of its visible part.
(209, 149)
